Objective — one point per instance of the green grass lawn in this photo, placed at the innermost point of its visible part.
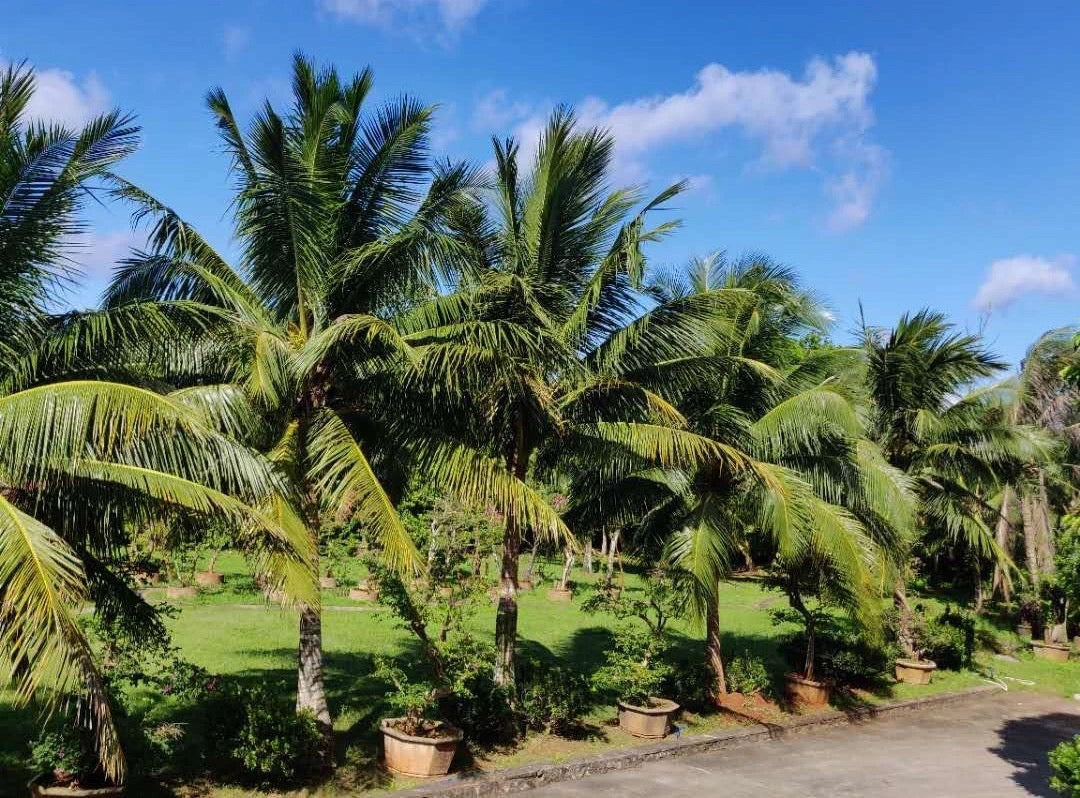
(234, 631)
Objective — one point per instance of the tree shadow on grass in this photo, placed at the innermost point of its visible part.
(1025, 743)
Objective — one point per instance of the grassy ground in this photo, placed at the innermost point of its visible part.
(234, 631)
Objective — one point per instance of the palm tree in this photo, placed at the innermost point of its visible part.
(556, 271)
(794, 468)
(81, 460)
(944, 435)
(329, 331)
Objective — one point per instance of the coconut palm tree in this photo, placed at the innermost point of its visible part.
(557, 255)
(82, 460)
(956, 446)
(328, 332)
(816, 489)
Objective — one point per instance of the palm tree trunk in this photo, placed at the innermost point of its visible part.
(1003, 535)
(532, 558)
(905, 633)
(310, 682)
(1031, 540)
(714, 660)
(568, 564)
(587, 563)
(1046, 546)
(613, 546)
(506, 615)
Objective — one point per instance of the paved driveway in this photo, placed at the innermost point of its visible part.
(994, 747)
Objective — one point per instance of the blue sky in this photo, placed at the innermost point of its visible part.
(897, 154)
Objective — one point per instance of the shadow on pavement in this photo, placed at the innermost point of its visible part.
(1025, 743)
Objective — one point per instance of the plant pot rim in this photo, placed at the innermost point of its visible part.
(1044, 644)
(800, 679)
(664, 706)
(917, 664)
(452, 734)
(36, 787)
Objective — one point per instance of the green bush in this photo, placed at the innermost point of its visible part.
(689, 682)
(949, 640)
(747, 674)
(843, 653)
(633, 670)
(1065, 764)
(256, 739)
(552, 699)
(66, 755)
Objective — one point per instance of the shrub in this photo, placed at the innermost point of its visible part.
(949, 640)
(633, 671)
(66, 755)
(1065, 764)
(257, 739)
(747, 674)
(552, 699)
(843, 653)
(689, 682)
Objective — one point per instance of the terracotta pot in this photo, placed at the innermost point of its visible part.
(913, 671)
(563, 594)
(175, 592)
(37, 789)
(652, 721)
(806, 692)
(1054, 652)
(1024, 630)
(419, 756)
(525, 584)
(1076, 642)
(209, 579)
(327, 582)
(364, 593)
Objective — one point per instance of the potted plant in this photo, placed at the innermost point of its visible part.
(335, 562)
(635, 669)
(183, 561)
(214, 543)
(415, 743)
(634, 672)
(365, 590)
(67, 765)
(562, 591)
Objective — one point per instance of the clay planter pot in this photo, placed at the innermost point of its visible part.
(525, 584)
(364, 593)
(563, 594)
(1055, 652)
(652, 721)
(327, 582)
(1076, 642)
(806, 692)
(419, 756)
(38, 790)
(175, 592)
(911, 671)
(209, 579)
(1024, 630)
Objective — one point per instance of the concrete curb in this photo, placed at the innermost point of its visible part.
(527, 777)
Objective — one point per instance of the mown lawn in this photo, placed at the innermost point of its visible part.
(233, 631)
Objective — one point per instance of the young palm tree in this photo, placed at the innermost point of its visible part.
(929, 424)
(328, 332)
(796, 466)
(80, 460)
(556, 260)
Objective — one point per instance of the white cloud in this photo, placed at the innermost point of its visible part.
(235, 39)
(59, 97)
(819, 121)
(1009, 279)
(97, 253)
(452, 15)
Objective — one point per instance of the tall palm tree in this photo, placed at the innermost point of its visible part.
(81, 460)
(797, 469)
(328, 331)
(556, 258)
(935, 427)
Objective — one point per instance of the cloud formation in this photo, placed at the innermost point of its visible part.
(819, 121)
(59, 97)
(235, 39)
(1008, 279)
(451, 15)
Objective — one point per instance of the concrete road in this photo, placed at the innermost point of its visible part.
(992, 748)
